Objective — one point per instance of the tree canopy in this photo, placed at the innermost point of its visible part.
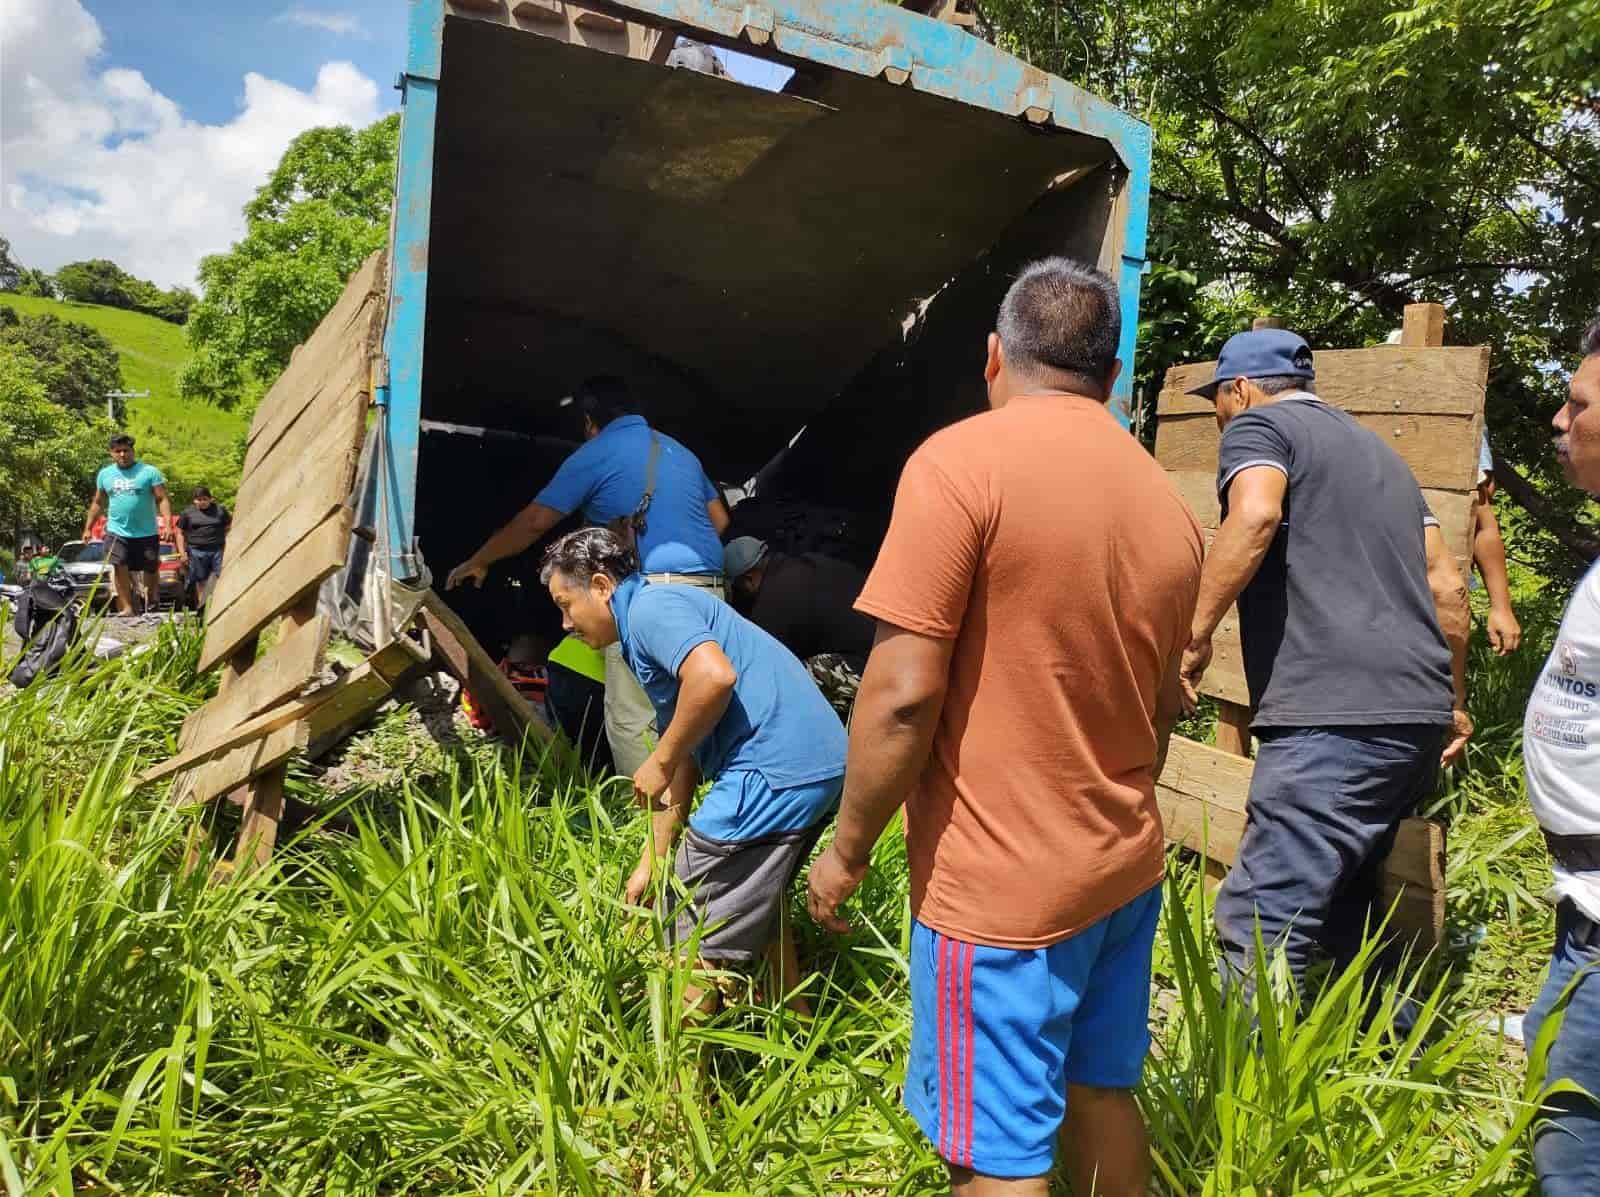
(1330, 163)
(322, 212)
(47, 452)
(99, 280)
(74, 364)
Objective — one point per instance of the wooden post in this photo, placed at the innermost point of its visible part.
(232, 671)
(1265, 322)
(1423, 327)
(263, 806)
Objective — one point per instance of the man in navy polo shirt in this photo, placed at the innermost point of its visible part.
(736, 706)
(607, 478)
(1353, 621)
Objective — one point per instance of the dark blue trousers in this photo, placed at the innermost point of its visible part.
(1566, 1145)
(1324, 807)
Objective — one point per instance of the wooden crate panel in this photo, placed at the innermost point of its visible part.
(1203, 795)
(283, 584)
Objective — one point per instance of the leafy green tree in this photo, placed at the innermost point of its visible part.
(322, 212)
(36, 283)
(97, 280)
(48, 455)
(74, 364)
(10, 269)
(1330, 163)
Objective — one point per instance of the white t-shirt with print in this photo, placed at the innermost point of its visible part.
(1561, 738)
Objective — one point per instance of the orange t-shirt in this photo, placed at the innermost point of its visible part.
(1052, 548)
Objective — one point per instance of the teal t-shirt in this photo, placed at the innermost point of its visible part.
(131, 512)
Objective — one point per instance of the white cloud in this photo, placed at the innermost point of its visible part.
(94, 162)
(341, 24)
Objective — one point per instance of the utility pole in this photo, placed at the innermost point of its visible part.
(111, 410)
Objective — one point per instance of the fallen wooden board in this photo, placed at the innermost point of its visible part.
(474, 669)
(1203, 793)
(329, 464)
(271, 738)
(300, 569)
(282, 673)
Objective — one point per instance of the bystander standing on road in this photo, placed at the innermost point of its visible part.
(201, 532)
(1017, 700)
(1354, 622)
(130, 491)
(1561, 757)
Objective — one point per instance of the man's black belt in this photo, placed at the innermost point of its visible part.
(1577, 853)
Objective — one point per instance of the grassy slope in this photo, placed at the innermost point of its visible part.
(190, 442)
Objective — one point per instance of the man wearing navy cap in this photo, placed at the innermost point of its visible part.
(1354, 621)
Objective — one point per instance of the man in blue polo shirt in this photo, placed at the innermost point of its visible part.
(624, 469)
(736, 706)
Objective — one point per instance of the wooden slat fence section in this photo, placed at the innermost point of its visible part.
(292, 529)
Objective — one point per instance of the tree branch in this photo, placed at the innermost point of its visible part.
(1582, 546)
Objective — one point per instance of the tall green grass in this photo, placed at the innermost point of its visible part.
(451, 999)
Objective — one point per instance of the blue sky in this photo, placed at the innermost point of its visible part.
(198, 51)
(137, 130)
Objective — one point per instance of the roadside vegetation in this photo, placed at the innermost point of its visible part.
(445, 994)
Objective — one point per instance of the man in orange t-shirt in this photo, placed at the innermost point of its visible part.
(1033, 600)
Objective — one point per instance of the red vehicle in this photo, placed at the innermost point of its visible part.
(174, 587)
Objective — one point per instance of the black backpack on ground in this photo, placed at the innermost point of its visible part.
(47, 622)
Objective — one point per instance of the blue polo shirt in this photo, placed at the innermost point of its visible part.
(777, 724)
(606, 479)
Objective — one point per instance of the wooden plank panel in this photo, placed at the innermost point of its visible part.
(246, 762)
(1442, 451)
(291, 527)
(475, 670)
(1203, 795)
(274, 486)
(348, 381)
(1385, 378)
(350, 326)
(301, 568)
(282, 673)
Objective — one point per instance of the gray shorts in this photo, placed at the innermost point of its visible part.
(736, 889)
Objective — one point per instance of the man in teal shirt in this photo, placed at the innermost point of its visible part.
(129, 492)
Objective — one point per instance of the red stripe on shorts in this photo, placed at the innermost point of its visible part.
(967, 1104)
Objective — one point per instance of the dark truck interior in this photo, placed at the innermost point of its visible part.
(827, 258)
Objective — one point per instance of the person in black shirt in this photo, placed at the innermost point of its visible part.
(202, 530)
(1353, 623)
(807, 603)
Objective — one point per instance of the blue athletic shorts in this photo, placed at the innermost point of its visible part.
(997, 1034)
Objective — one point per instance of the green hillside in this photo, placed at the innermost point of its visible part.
(190, 442)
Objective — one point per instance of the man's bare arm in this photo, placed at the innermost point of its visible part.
(1489, 554)
(519, 534)
(720, 519)
(1455, 621)
(1255, 509)
(891, 733)
(705, 688)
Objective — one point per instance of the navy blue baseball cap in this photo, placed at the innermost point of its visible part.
(1260, 353)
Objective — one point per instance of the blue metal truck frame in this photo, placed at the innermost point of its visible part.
(865, 37)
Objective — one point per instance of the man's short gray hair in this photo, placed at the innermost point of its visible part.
(1061, 315)
(582, 554)
(1590, 343)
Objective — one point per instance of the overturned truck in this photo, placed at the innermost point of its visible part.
(796, 280)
